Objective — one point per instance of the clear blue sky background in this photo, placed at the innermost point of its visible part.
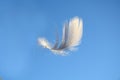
(23, 21)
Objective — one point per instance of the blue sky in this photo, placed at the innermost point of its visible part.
(23, 21)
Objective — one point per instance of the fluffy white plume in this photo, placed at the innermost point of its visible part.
(72, 34)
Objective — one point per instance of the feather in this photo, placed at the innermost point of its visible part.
(72, 34)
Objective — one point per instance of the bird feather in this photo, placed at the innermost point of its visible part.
(72, 34)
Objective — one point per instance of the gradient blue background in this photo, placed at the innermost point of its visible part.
(23, 21)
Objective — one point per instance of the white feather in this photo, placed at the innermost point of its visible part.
(72, 34)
